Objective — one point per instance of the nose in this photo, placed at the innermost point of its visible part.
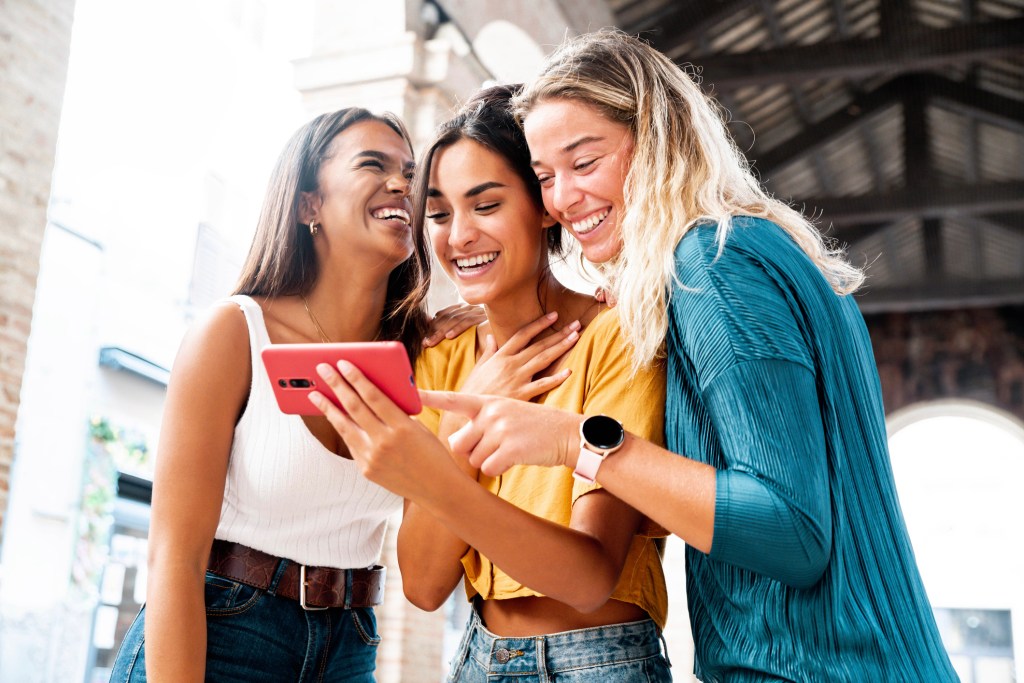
(397, 183)
(564, 194)
(462, 232)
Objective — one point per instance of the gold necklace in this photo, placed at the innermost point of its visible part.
(316, 323)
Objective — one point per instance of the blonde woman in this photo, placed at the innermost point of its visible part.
(776, 472)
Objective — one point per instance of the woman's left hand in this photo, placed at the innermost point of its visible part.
(392, 449)
(450, 322)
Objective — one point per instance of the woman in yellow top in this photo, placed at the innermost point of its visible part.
(566, 580)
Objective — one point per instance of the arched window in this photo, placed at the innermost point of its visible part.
(959, 469)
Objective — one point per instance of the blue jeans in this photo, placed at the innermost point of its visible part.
(619, 653)
(254, 636)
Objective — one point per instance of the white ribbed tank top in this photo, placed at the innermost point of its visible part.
(286, 494)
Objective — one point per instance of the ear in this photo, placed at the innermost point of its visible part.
(548, 221)
(309, 206)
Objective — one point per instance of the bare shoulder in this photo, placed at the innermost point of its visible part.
(219, 333)
(214, 355)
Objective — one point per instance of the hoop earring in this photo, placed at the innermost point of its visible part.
(313, 228)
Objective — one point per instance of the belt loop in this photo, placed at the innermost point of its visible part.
(348, 589)
(276, 578)
(664, 647)
(542, 659)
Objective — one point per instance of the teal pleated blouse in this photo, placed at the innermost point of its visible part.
(772, 380)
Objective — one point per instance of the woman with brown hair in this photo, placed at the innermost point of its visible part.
(264, 534)
(565, 579)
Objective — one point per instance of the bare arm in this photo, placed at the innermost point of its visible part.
(395, 452)
(751, 367)
(208, 386)
(674, 491)
(429, 553)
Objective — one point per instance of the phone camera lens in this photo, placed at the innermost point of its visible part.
(300, 383)
(282, 383)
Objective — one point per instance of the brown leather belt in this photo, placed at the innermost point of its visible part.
(313, 587)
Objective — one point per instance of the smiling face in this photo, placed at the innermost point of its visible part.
(581, 159)
(482, 225)
(362, 201)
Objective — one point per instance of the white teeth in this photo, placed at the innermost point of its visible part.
(588, 224)
(400, 214)
(478, 260)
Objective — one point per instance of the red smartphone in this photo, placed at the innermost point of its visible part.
(292, 371)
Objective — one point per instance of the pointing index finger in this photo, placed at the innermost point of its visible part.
(464, 404)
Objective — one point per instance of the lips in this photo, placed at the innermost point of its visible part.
(475, 260)
(589, 223)
(389, 213)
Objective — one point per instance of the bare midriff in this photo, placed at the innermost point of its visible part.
(522, 617)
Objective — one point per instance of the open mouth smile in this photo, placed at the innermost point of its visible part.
(392, 214)
(590, 223)
(469, 264)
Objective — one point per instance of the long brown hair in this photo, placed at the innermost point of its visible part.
(486, 119)
(282, 259)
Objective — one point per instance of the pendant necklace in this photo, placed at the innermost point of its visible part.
(316, 323)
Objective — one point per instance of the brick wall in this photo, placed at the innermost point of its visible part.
(35, 37)
(975, 354)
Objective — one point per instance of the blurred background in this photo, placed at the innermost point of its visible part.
(137, 138)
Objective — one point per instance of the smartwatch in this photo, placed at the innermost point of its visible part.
(600, 436)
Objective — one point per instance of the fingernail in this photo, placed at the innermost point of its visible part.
(573, 337)
(344, 367)
(316, 398)
(553, 315)
(574, 325)
(324, 370)
(449, 334)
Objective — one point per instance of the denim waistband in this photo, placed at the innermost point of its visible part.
(560, 652)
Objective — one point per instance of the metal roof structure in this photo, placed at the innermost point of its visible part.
(898, 123)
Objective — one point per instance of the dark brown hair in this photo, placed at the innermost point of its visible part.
(488, 120)
(282, 259)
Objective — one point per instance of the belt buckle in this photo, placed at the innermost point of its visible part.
(302, 592)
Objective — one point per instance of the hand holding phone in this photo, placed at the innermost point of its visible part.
(292, 372)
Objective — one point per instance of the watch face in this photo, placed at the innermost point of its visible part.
(603, 432)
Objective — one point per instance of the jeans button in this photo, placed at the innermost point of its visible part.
(502, 656)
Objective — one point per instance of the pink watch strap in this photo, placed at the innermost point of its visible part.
(587, 465)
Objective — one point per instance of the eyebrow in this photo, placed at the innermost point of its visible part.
(381, 156)
(471, 192)
(573, 145)
(482, 187)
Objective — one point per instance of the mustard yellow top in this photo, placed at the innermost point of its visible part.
(600, 383)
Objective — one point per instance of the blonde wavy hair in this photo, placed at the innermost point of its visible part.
(685, 170)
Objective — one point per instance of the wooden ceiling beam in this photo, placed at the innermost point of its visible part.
(851, 234)
(981, 104)
(1006, 221)
(944, 92)
(832, 126)
(944, 293)
(916, 50)
(680, 22)
(934, 201)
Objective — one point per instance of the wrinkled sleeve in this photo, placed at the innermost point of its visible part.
(756, 381)
(637, 400)
(772, 512)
